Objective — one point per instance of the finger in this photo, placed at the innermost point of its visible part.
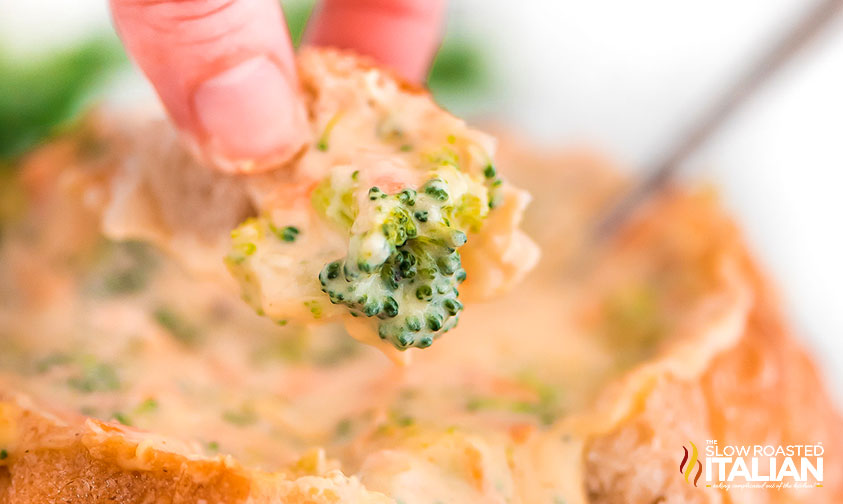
(225, 71)
(402, 34)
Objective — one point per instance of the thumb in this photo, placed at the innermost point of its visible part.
(225, 71)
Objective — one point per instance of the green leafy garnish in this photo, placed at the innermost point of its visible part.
(287, 233)
(37, 96)
(241, 417)
(95, 377)
(124, 268)
(176, 325)
(122, 418)
(147, 406)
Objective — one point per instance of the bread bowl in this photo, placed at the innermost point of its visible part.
(124, 377)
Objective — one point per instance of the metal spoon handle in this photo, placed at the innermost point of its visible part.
(702, 129)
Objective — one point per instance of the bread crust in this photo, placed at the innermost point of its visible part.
(83, 460)
(762, 389)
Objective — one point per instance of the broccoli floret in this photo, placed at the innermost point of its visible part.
(402, 267)
(404, 270)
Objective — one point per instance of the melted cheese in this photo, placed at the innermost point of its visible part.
(498, 411)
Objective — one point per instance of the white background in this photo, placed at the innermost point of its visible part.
(626, 77)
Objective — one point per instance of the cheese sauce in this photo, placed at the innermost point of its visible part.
(493, 412)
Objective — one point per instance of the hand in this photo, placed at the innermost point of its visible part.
(225, 69)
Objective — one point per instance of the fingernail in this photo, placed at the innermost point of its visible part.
(249, 112)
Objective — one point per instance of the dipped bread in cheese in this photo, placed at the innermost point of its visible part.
(373, 224)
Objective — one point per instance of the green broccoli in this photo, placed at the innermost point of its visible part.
(406, 270)
(401, 267)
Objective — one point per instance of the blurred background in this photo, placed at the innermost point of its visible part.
(623, 77)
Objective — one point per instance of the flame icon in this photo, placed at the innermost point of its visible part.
(686, 467)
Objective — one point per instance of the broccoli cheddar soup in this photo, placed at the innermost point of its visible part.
(129, 359)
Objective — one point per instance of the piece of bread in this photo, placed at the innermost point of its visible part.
(755, 386)
(73, 460)
(370, 131)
